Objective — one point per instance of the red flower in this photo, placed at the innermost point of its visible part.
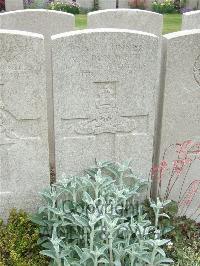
(178, 165)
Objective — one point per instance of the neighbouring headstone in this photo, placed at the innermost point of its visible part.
(86, 4)
(180, 137)
(123, 4)
(48, 23)
(105, 4)
(191, 20)
(45, 22)
(12, 5)
(104, 91)
(24, 157)
(132, 19)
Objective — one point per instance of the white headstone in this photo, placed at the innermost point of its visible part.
(12, 5)
(132, 19)
(86, 4)
(107, 4)
(180, 137)
(104, 89)
(24, 156)
(191, 20)
(48, 23)
(123, 4)
(45, 22)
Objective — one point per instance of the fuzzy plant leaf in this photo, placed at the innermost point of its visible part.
(95, 220)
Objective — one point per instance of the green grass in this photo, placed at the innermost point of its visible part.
(172, 22)
(81, 21)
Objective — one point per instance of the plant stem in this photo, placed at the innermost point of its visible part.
(153, 256)
(121, 180)
(111, 250)
(132, 257)
(96, 261)
(58, 262)
(74, 195)
(92, 238)
(85, 237)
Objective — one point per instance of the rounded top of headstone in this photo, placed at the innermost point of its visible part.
(191, 20)
(191, 13)
(133, 19)
(45, 11)
(189, 39)
(101, 30)
(182, 33)
(46, 22)
(124, 10)
(21, 33)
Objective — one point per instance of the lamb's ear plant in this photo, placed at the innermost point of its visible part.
(97, 219)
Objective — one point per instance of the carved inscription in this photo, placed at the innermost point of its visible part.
(106, 121)
(8, 138)
(196, 70)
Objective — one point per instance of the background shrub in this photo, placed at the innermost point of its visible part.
(18, 242)
(166, 7)
(70, 7)
(36, 3)
(184, 233)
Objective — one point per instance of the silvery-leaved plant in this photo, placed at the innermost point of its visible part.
(97, 219)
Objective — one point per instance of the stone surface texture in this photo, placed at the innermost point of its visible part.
(47, 23)
(12, 5)
(24, 161)
(132, 19)
(86, 4)
(104, 89)
(105, 4)
(123, 4)
(180, 138)
(191, 20)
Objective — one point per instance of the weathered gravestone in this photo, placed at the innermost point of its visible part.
(180, 138)
(24, 162)
(48, 23)
(127, 19)
(104, 89)
(191, 20)
(12, 5)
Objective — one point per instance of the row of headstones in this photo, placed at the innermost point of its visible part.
(103, 85)
(12, 5)
(111, 18)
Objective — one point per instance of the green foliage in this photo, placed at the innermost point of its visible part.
(165, 7)
(96, 220)
(35, 4)
(186, 241)
(184, 233)
(70, 7)
(18, 242)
